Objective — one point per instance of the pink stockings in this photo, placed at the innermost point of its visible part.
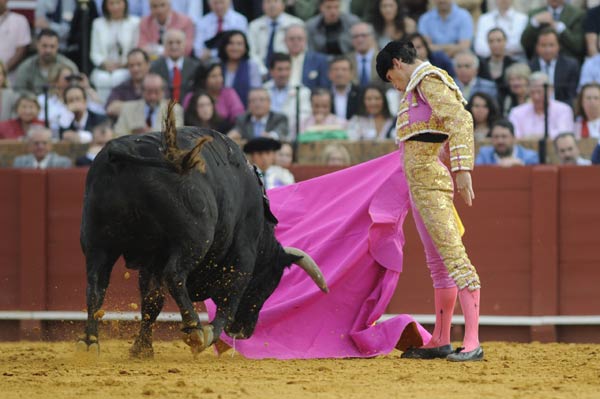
(445, 296)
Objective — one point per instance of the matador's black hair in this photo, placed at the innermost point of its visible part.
(402, 50)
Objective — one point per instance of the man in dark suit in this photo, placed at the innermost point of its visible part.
(562, 70)
(259, 121)
(565, 19)
(345, 95)
(174, 67)
(308, 67)
(81, 122)
(466, 65)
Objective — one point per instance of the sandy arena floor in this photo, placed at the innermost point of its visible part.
(52, 370)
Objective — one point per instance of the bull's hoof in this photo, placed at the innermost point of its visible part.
(195, 340)
(140, 350)
(88, 345)
(209, 335)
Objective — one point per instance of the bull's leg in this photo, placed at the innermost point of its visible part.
(153, 299)
(229, 299)
(99, 265)
(175, 277)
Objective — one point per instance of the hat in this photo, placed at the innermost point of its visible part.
(261, 144)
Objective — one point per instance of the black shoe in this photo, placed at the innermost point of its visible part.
(460, 356)
(440, 352)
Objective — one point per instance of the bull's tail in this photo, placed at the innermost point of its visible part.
(183, 160)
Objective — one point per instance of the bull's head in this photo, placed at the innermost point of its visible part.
(262, 285)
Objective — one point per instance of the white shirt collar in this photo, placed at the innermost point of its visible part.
(171, 64)
(264, 119)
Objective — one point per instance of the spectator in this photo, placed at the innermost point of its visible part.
(373, 120)
(293, 102)
(565, 19)
(266, 33)
(8, 97)
(57, 16)
(562, 70)
(259, 121)
(335, 154)
(363, 56)
(591, 28)
(590, 71)
(517, 84)
(201, 112)
(523, 6)
(52, 106)
(303, 9)
(587, 108)
(494, 67)
(322, 119)
(210, 78)
(79, 124)
(308, 67)
(466, 65)
(596, 155)
(39, 145)
(485, 113)
(424, 53)
(32, 74)
(138, 65)
(447, 27)
(261, 153)
(239, 71)
(285, 156)
(504, 151)
(345, 94)
(511, 22)
(329, 31)
(113, 36)
(222, 18)
(565, 146)
(174, 67)
(75, 40)
(16, 38)
(102, 134)
(147, 114)
(390, 21)
(27, 111)
(528, 118)
(162, 18)
(278, 174)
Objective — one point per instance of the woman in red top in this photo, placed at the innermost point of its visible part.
(27, 109)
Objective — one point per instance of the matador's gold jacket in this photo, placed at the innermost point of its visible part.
(433, 103)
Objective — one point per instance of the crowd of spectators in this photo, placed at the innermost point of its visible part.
(295, 70)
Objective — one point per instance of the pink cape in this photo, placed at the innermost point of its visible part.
(350, 222)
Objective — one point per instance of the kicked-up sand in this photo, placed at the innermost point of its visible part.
(49, 370)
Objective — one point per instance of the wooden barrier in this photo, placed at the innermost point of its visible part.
(307, 153)
(532, 234)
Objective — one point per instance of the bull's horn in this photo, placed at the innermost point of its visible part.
(309, 266)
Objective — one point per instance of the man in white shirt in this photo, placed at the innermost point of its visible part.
(308, 67)
(222, 17)
(346, 95)
(284, 97)
(266, 34)
(512, 23)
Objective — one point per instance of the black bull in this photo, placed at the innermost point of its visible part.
(187, 211)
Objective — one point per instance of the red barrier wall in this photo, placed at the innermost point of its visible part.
(532, 233)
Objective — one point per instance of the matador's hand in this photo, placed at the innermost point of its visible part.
(464, 186)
